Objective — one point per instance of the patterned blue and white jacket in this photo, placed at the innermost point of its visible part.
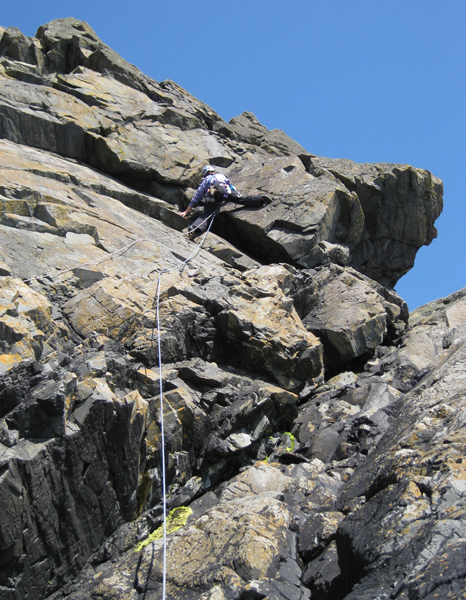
(207, 183)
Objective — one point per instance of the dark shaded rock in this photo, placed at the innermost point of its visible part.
(444, 577)
(317, 532)
(15, 385)
(323, 576)
(80, 478)
(201, 506)
(256, 412)
(348, 417)
(405, 487)
(18, 47)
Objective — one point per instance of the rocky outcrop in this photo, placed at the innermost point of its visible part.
(313, 429)
(72, 95)
(365, 499)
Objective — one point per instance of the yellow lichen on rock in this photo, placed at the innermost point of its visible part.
(176, 519)
(26, 322)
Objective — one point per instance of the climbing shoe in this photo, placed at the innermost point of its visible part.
(266, 200)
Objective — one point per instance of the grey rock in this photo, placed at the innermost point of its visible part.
(8, 437)
(396, 495)
(347, 419)
(380, 188)
(323, 576)
(317, 532)
(203, 374)
(247, 129)
(315, 431)
(351, 314)
(325, 210)
(19, 48)
(200, 506)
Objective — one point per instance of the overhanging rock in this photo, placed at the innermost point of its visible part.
(75, 96)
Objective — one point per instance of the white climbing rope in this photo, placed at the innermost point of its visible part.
(162, 429)
(162, 434)
(111, 255)
(159, 280)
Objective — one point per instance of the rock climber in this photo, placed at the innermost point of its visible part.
(215, 190)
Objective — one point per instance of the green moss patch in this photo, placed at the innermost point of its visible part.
(292, 441)
(290, 448)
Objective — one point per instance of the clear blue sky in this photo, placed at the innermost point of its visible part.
(360, 79)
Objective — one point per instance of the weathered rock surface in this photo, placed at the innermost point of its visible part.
(67, 92)
(314, 432)
(382, 516)
(414, 486)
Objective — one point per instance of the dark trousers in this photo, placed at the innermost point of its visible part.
(202, 222)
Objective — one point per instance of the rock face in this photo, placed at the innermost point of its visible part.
(67, 92)
(313, 428)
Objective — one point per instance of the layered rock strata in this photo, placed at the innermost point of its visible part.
(313, 431)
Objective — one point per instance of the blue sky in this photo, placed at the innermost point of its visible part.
(370, 81)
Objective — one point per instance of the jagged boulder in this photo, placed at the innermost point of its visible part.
(400, 205)
(17, 47)
(350, 313)
(27, 329)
